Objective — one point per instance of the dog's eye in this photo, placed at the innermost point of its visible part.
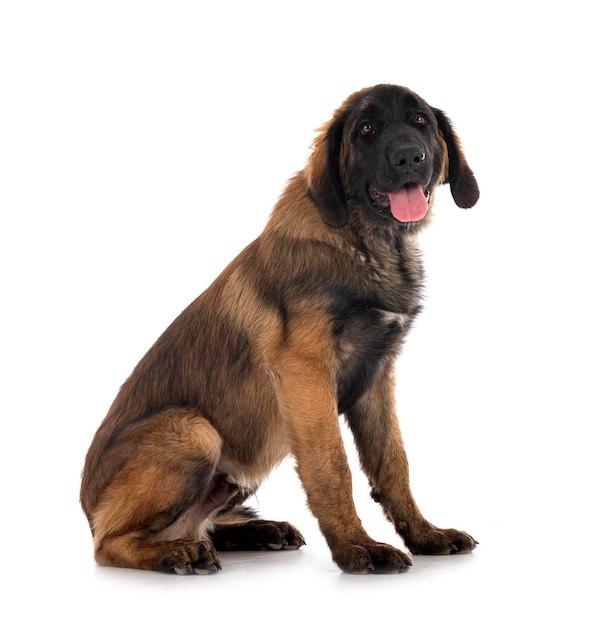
(366, 128)
(420, 119)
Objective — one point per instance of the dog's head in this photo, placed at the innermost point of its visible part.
(384, 153)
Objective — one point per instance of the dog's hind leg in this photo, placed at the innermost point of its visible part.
(240, 529)
(154, 513)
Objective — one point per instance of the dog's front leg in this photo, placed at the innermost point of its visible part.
(374, 424)
(309, 409)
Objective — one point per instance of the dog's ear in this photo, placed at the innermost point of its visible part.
(323, 174)
(463, 185)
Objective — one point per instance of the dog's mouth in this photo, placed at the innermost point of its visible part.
(407, 204)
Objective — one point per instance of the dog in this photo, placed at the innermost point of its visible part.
(302, 327)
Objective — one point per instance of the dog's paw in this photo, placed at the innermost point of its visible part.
(190, 557)
(257, 534)
(371, 558)
(441, 541)
(279, 536)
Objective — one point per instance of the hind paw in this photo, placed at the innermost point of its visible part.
(191, 557)
(257, 534)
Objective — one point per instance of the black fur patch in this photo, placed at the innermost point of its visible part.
(364, 336)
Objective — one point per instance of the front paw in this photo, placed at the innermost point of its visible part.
(370, 558)
(440, 541)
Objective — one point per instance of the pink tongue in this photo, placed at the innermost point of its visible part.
(409, 203)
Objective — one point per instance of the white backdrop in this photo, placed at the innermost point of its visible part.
(143, 144)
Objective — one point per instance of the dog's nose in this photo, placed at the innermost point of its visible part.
(408, 157)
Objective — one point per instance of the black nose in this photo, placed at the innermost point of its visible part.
(409, 157)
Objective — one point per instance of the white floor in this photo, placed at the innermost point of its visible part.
(531, 566)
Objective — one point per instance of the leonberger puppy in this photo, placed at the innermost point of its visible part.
(302, 327)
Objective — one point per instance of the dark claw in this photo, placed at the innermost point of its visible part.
(454, 549)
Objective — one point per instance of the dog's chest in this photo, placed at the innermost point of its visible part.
(363, 330)
(366, 337)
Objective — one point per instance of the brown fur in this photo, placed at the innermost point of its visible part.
(303, 325)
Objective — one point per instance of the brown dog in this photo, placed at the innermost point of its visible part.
(302, 326)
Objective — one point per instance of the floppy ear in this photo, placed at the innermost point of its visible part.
(463, 185)
(323, 176)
